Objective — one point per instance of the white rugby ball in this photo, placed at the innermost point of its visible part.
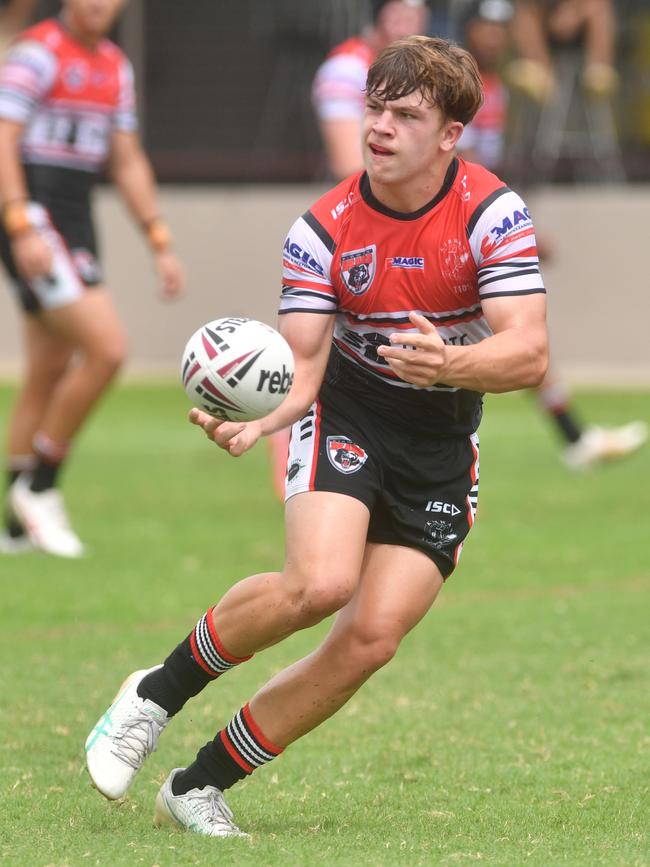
(237, 369)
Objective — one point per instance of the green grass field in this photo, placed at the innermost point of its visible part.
(511, 729)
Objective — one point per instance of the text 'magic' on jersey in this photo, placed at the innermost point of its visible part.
(351, 256)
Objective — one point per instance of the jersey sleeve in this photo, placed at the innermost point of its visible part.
(306, 266)
(339, 88)
(26, 77)
(502, 239)
(125, 117)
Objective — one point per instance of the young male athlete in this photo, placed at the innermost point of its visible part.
(67, 107)
(409, 290)
(337, 95)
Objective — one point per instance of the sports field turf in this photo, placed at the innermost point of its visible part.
(511, 729)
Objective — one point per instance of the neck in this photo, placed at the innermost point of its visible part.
(406, 197)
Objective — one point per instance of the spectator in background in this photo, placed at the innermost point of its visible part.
(485, 33)
(339, 85)
(538, 25)
(66, 106)
(14, 15)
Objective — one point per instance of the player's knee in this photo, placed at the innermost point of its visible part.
(369, 649)
(318, 597)
(109, 356)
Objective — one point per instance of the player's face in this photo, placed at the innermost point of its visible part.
(406, 141)
(92, 19)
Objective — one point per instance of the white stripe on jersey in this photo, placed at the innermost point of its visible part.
(306, 260)
(503, 231)
(29, 70)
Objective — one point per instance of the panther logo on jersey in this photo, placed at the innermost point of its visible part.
(358, 269)
(345, 456)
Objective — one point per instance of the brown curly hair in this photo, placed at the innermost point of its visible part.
(445, 74)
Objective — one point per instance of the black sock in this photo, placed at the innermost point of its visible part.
(180, 678)
(45, 476)
(189, 668)
(569, 426)
(235, 753)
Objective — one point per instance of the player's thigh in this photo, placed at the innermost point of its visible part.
(325, 541)
(398, 585)
(90, 323)
(47, 353)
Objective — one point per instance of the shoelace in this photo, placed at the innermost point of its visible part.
(134, 744)
(212, 809)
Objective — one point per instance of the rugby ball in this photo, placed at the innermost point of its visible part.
(237, 369)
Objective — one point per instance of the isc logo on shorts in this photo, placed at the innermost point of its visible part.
(344, 455)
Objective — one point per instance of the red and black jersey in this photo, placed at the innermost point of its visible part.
(351, 256)
(70, 98)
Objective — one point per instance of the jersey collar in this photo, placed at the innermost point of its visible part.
(369, 198)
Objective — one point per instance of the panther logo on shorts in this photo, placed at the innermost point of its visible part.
(438, 534)
(345, 456)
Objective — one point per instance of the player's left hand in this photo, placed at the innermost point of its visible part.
(171, 274)
(423, 363)
(235, 437)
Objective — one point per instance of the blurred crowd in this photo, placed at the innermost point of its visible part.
(577, 71)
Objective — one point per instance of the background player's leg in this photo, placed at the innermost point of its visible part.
(586, 446)
(90, 326)
(46, 358)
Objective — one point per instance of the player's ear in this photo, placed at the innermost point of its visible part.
(452, 132)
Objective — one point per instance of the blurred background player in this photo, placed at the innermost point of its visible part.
(339, 99)
(14, 15)
(485, 33)
(339, 85)
(67, 106)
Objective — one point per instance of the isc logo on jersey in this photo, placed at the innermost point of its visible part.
(297, 256)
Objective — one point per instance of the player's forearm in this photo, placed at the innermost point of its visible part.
(136, 182)
(295, 405)
(513, 359)
(13, 186)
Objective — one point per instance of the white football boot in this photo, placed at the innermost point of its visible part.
(123, 737)
(600, 444)
(45, 520)
(201, 810)
(9, 544)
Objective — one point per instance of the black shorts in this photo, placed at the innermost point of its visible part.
(74, 264)
(421, 491)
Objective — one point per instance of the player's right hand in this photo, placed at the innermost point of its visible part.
(33, 255)
(235, 437)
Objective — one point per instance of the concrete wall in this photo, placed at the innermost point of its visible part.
(231, 240)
